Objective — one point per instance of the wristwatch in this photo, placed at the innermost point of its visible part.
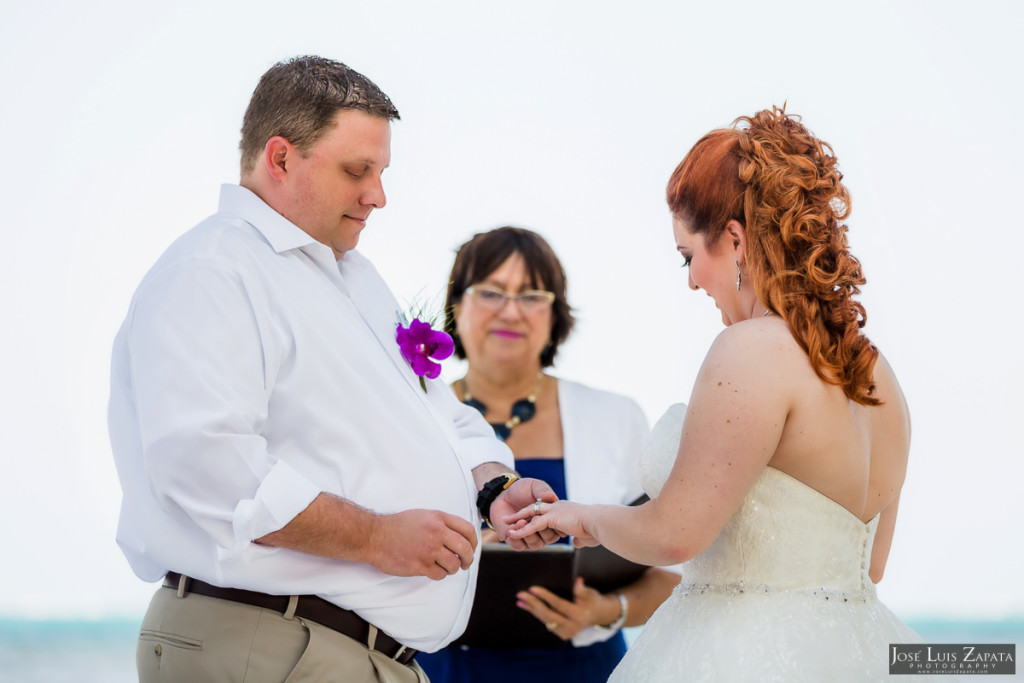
(490, 492)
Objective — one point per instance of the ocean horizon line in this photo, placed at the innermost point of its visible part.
(45, 615)
(933, 622)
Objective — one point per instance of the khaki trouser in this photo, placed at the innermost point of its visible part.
(198, 639)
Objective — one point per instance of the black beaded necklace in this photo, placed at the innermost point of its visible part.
(523, 410)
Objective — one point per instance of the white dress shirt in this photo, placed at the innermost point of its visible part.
(254, 371)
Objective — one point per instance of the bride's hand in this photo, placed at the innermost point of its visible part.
(563, 517)
(565, 618)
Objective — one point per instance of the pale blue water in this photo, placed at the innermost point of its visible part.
(68, 651)
(104, 651)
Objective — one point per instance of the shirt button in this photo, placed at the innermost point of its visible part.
(158, 650)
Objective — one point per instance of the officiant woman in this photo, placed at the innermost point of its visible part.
(507, 311)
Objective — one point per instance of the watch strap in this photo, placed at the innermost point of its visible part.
(489, 493)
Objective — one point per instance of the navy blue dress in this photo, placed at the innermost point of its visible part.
(514, 665)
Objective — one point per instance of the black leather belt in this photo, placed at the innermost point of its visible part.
(309, 607)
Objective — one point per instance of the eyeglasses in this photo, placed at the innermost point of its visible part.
(532, 301)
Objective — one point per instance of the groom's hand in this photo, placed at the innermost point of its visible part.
(521, 493)
(427, 543)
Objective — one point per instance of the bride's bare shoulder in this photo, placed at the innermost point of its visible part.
(887, 389)
(758, 341)
(758, 353)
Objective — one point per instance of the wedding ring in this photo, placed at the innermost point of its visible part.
(536, 510)
(551, 626)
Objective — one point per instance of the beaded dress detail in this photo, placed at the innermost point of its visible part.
(782, 594)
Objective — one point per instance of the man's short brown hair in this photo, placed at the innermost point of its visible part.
(298, 99)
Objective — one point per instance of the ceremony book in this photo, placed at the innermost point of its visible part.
(496, 621)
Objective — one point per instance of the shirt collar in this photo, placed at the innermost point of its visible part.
(280, 233)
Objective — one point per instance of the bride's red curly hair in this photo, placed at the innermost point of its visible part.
(782, 184)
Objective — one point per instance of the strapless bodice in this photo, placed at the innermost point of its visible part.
(782, 594)
(785, 535)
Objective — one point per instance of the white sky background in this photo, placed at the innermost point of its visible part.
(120, 120)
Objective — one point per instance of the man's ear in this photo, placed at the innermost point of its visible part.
(735, 236)
(276, 155)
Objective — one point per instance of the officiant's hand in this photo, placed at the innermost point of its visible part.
(521, 493)
(566, 618)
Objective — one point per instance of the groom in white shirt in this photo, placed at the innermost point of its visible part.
(311, 510)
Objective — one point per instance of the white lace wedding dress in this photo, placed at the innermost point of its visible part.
(782, 594)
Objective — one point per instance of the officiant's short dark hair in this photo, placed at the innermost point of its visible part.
(484, 253)
(298, 100)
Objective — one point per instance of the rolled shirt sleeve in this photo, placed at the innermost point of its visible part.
(198, 370)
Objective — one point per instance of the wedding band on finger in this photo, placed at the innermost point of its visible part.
(551, 626)
(536, 511)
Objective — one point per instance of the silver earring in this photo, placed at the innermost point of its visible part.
(739, 276)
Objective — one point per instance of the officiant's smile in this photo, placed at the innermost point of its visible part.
(508, 334)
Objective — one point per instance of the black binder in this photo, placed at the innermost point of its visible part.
(496, 621)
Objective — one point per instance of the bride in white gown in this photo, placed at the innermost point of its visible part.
(783, 593)
(778, 485)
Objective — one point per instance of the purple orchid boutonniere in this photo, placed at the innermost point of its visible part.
(421, 345)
